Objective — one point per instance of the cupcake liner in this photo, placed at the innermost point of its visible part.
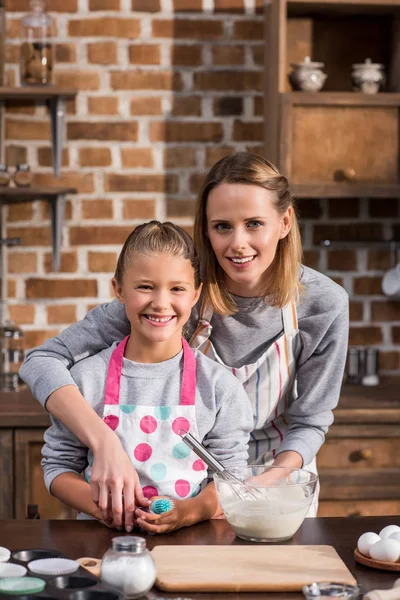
(12, 570)
(4, 554)
(53, 566)
(21, 585)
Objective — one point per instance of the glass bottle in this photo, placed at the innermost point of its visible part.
(128, 566)
(37, 48)
(12, 355)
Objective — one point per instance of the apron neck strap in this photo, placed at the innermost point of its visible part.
(188, 389)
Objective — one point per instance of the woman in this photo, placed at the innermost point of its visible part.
(282, 329)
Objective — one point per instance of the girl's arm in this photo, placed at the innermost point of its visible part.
(71, 489)
(188, 512)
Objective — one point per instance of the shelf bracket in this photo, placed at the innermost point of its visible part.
(57, 211)
(57, 113)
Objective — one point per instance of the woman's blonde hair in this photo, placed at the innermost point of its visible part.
(155, 237)
(281, 283)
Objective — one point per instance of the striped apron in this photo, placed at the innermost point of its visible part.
(270, 384)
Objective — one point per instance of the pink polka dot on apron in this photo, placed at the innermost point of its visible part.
(149, 491)
(142, 452)
(112, 421)
(148, 424)
(198, 465)
(180, 423)
(182, 488)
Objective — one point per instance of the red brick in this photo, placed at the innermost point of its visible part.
(379, 260)
(95, 157)
(146, 80)
(186, 106)
(27, 130)
(146, 106)
(367, 286)
(61, 313)
(230, 6)
(342, 260)
(97, 209)
(98, 235)
(227, 106)
(102, 53)
(11, 288)
(51, 6)
(121, 28)
(385, 311)
(243, 131)
(12, 53)
(20, 107)
(16, 154)
(21, 262)
(365, 336)
(31, 236)
(185, 131)
(355, 232)
(68, 262)
(103, 105)
(38, 337)
(309, 208)
(60, 288)
(214, 154)
(396, 335)
(20, 212)
(13, 28)
(258, 106)
(133, 158)
(84, 182)
(82, 80)
(22, 314)
(311, 258)
(178, 208)
(102, 262)
(187, 5)
(141, 183)
(389, 361)
(179, 157)
(190, 29)
(383, 208)
(356, 311)
(196, 181)
(249, 30)
(258, 54)
(342, 208)
(186, 55)
(256, 149)
(144, 54)
(228, 55)
(45, 157)
(104, 5)
(65, 53)
(139, 209)
(145, 5)
(228, 80)
(45, 210)
(121, 131)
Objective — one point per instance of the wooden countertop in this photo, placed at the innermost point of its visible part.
(90, 538)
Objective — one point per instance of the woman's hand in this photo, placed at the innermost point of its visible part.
(115, 483)
(168, 521)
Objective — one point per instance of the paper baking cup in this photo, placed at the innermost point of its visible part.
(53, 566)
(4, 554)
(21, 585)
(12, 570)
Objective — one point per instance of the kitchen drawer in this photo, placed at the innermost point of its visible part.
(358, 508)
(359, 143)
(359, 453)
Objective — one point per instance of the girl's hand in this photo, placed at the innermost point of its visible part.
(168, 521)
(115, 484)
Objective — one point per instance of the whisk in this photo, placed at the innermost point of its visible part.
(239, 489)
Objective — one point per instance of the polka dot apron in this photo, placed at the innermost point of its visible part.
(270, 384)
(150, 434)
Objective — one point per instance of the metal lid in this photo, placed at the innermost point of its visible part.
(367, 64)
(129, 543)
(331, 589)
(308, 64)
(23, 167)
(9, 330)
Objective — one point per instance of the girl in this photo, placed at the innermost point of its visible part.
(280, 328)
(150, 386)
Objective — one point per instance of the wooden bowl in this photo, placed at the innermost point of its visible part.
(376, 564)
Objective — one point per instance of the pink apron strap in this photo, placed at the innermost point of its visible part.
(188, 391)
(113, 380)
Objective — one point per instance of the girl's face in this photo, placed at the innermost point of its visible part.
(244, 229)
(158, 291)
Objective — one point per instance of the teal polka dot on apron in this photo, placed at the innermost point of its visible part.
(158, 471)
(180, 450)
(128, 408)
(162, 412)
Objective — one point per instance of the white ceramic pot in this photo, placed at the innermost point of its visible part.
(307, 76)
(368, 77)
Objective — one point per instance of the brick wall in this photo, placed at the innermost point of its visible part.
(166, 87)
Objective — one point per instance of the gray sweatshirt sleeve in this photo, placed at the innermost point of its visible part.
(46, 368)
(324, 336)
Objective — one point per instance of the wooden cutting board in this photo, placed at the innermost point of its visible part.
(254, 568)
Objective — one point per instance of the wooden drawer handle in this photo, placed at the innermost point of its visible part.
(360, 455)
(347, 174)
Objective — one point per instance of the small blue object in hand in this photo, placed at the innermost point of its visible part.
(162, 505)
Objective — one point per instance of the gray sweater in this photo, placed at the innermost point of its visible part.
(223, 412)
(323, 317)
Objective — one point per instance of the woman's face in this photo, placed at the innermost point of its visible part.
(244, 229)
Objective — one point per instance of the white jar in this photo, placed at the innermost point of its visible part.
(128, 566)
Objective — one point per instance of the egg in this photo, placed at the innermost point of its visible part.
(387, 550)
(388, 530)
(366, 541)
(395, 536)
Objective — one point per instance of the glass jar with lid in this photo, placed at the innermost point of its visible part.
(12, 356)
(37, 46)
(128, 566)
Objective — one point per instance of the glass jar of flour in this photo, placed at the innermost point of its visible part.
(128, 566)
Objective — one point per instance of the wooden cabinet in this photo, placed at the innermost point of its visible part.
(335, 142)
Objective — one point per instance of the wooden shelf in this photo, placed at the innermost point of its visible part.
(341, 99)
(346, 190)
(36, 93)
(340, 7)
